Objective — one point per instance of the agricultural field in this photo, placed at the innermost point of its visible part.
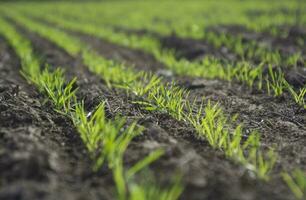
(153, 100)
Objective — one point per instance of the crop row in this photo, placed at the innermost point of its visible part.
(106, 140)
(273, 81)
(183, 25)
(189, 17)
(245, 49)
(208, 120)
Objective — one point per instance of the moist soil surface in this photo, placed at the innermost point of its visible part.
(42, 156)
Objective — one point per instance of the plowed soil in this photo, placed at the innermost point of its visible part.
(42, 155)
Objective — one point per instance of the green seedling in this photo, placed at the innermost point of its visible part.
(232, 145)
(114, 147)
(276, 84)
(272, 58)
(299, 97)
(90, 127)
(293, 59)
(165, 98)
(149, 189)
(250, 153)
(96, 131)
(143, 163)
(239, 48)
(106, 141)
(248, 74)
(124, 178)
(265, 163)
(213, 126)
(261, 164)
(296, 181)
(54, 86)
(110, 71)
(168, 98)
(146, 84)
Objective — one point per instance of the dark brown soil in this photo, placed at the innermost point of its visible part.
(195, 49)
(62, 169)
